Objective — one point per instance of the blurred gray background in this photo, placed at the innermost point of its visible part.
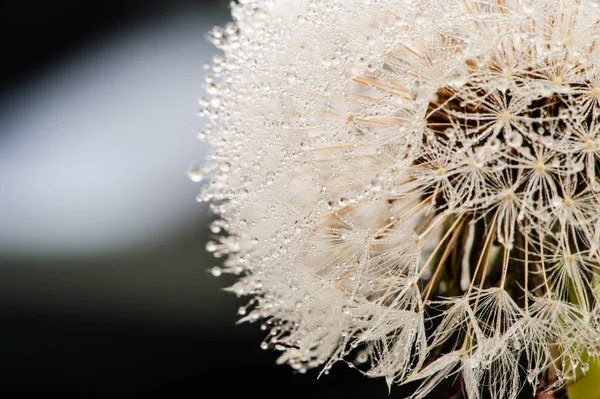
(104, 283)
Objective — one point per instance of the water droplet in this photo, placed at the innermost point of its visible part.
(216, 271)
(225, 166)
(517, 344)
(557, 202)
(458, 78)
(502, 85)
(514, 139)
(215, 102)
(194, 173)
(578, 167)
(528, 7)
(212, 89)
(585, 367)
(291, 77)
(215, 227)
(211, 246)
(548, 141)
(362, 357)
(494, 144)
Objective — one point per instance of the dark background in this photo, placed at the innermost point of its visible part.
(97, 312)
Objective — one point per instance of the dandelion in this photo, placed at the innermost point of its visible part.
(412, 187)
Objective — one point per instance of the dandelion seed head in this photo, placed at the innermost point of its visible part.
(411, 187)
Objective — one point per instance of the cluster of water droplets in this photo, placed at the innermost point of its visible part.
(350, 139)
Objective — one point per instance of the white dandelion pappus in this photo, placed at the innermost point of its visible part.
(414, 183)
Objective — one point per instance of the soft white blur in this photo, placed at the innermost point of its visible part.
(93, 155)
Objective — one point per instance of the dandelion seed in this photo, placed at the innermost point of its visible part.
(412, 187)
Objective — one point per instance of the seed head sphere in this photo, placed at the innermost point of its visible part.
(412, 187)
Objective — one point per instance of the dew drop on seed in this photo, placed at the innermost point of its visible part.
(514, 139)
(291, 77)
(225, 166)
(362, 357)
(557, 202)
(502, 85)
(528, 7)
(585, 367)
(495, 144)
(215, 102)
(548, 141)
(215, 228)
(216, 271)
(458, 79)
(211, 246)
(194, 173)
